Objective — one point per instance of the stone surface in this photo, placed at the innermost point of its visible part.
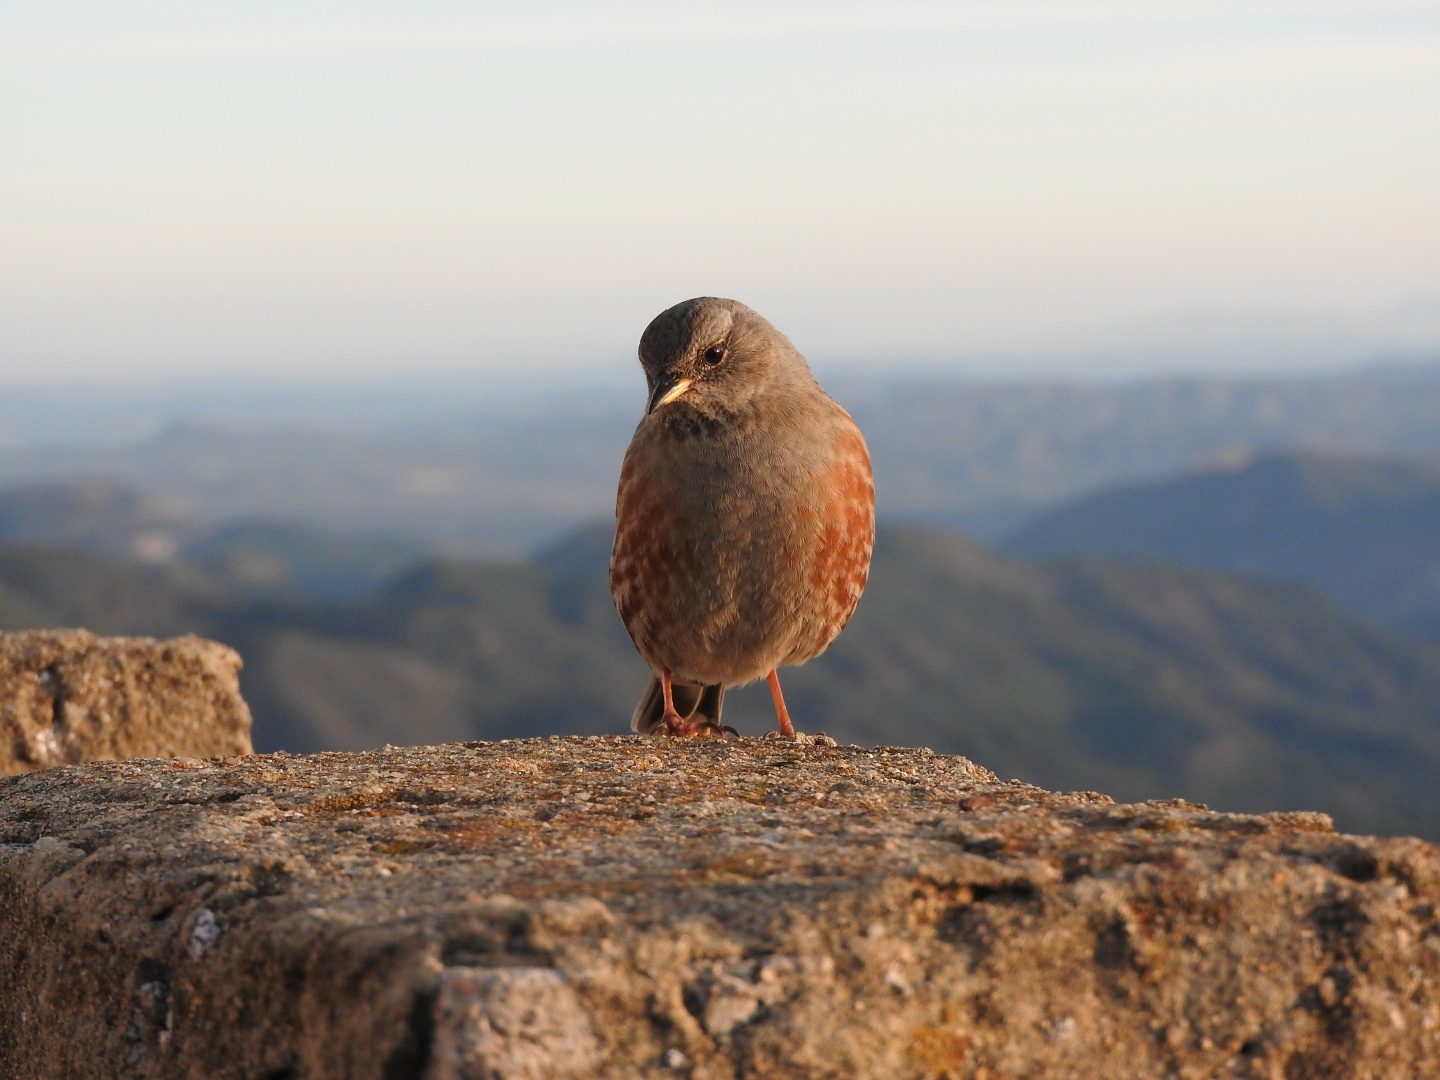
(619, 907)
(67, 696)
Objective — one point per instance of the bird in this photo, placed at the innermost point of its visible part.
(744, 519)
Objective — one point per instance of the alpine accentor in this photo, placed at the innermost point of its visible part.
(745, 516)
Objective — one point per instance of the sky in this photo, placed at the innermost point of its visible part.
(996, 187)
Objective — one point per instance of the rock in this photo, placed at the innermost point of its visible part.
(67, 696)
(510, 1023)
(619, 907)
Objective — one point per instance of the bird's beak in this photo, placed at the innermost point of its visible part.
(667, 389)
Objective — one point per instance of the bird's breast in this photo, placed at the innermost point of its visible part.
(756, 551)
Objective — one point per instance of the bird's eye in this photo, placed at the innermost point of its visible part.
(714, 354)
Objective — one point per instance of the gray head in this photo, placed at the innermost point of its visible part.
(716, 356)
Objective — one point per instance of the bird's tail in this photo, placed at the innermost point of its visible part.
(693, 701)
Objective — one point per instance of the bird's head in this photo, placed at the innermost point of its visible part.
(715, 356)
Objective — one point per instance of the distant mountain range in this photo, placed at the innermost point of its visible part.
(1364, 530)
(342, 563)
(1143, 681)
(986, 458)
(503, 478)
(251, 558)
(99, 516)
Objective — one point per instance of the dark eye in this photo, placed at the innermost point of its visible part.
(713, 355)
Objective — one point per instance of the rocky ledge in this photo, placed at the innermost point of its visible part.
(68, 696)
(618, 907)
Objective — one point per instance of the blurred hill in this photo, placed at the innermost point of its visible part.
(454, 470)
(1365, 530)
(266, 559)
(1143, 681)
(95, 515)
(988, 457)
(256, 559)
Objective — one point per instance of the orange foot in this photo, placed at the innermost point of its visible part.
(672, 723)
(675, 724)
(782, 714)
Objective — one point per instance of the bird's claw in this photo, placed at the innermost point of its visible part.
(675, 724)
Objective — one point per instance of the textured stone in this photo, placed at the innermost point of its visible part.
(619, 907)
(522, 1023)
(67, 696)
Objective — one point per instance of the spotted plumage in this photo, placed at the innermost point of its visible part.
(745, 516)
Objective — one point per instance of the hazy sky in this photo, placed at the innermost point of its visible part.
(1003, 185)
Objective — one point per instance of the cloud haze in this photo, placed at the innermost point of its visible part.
(1090, 187)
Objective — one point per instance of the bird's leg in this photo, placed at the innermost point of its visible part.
(672, 720)
(782, 714)
(672, 723)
